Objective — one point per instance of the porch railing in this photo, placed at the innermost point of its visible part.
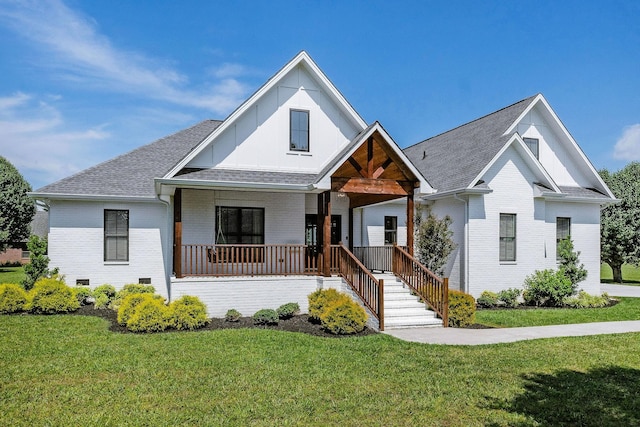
(376, 258)
(433, 290)
(364, 284)
(253, 260)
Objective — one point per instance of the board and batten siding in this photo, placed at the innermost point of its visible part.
(370, 223)
(76, 243)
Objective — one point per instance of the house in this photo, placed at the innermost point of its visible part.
(17, 252)
(271, 204)
(516, 183)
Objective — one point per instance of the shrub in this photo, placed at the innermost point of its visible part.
(570, 263)
(50, 295)
(509, 296)
(12, 298)
(83, 293)
(585, 300)
(265, 316)
(104, 292)
(188, 313)
(129, 304)
(101, 301)
(287, 311)
(150, 315)
(320, 300)
(232, 315)
(462, 309)
(38, 265)
(547, 288)
(488, 299)
(129, 289)
(344, 316)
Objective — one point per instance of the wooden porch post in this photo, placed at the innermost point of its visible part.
(410, 207)
(177, 233)
(326, 234)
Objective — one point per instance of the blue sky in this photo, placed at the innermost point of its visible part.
(84, 81)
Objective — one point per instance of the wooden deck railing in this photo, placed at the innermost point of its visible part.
(432, 289)
(376, 258)
(253, 260)
(364, 284)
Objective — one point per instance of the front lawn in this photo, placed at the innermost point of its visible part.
(630, 274)
(626, 309)
(71, 370)
(11, 274)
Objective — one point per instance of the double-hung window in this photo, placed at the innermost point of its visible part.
(116, 235)
(390, 230)
(563, 231)
(507, 237)
(299, 130)
(533, 145)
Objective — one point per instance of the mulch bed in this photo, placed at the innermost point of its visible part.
(299, 323)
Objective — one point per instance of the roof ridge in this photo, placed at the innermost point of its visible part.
(473, 121)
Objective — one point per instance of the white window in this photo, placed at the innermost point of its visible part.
(533, 145)
(507, 237)
(299, 130)
(116, 235)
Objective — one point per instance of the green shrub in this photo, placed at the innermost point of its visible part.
(103, 295)
(187, 313)
(287, 311)
(488, 299)
(320, 300)
(129, 304)
(547, 288)
(150, 315)
(83, 293)
(585, 300)
(509, 297)
(265, 316)
(50, 295)
(344, 316)
(130, 289)
(462, 309)
(12, 298)
(232, 315)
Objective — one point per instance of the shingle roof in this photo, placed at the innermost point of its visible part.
(451, 160)
(132, 174)
(583, 192)
(250, 176)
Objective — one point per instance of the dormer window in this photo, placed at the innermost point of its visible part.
(299, 130)
(532, 143)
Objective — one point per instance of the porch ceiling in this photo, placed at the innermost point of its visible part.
(374, 173)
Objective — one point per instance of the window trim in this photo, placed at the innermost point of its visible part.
(117, 234)
(239, 234)
(537, 141)
(558, 238)
(394, 230)
(291, 130)
(514, 239)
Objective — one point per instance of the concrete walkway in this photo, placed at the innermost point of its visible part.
(456, 336)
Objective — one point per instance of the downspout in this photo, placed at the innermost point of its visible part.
(466, 241)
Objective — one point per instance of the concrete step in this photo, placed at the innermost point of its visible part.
(408, 312)
(412, 322)
(403, 303)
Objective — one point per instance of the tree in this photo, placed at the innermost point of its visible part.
(570, 263)
(38, 262)
(16, 208)
(620, 223)
(433, 240)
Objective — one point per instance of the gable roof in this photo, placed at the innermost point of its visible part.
(131, 174)
(301, 58)
(452, 160)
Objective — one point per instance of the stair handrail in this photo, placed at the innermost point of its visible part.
(433, 290)
(364, 284)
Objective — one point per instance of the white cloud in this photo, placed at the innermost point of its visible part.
(73, 44)
(628, 145)
(36, 140)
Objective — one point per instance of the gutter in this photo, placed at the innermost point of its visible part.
(90, 197)
(232, 185)
(458, 192)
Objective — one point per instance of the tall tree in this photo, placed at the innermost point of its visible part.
(16, 208)
(620, 223)
(433, 240)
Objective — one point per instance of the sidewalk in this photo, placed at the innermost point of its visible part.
(456, 336)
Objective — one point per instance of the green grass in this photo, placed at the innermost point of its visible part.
(70, 370)
(630, 274)
(626, 309)
(11, 274)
